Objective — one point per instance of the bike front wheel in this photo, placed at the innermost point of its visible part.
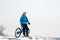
(17, 32)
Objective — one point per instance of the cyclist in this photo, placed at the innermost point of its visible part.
(24, 21)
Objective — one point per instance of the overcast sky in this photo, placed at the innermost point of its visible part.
(44, 15)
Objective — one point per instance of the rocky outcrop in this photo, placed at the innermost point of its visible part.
(1, 30)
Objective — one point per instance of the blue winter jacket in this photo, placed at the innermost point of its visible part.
(24, 20)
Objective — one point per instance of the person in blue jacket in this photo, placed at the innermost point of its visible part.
(24, 21)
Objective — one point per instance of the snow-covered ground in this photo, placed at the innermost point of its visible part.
(25, 38)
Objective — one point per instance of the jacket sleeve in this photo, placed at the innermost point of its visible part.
(28, 20)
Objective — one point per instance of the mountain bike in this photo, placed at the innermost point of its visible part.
(19, 31)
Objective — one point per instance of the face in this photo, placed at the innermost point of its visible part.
(24, 14)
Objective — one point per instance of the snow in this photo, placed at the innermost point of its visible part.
(26, 38)
(2, 38)
(20, 38)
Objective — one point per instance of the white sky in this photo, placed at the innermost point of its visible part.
(44, 15)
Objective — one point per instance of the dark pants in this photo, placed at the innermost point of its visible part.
(25, 29)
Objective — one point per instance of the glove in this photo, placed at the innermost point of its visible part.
(29, 23)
